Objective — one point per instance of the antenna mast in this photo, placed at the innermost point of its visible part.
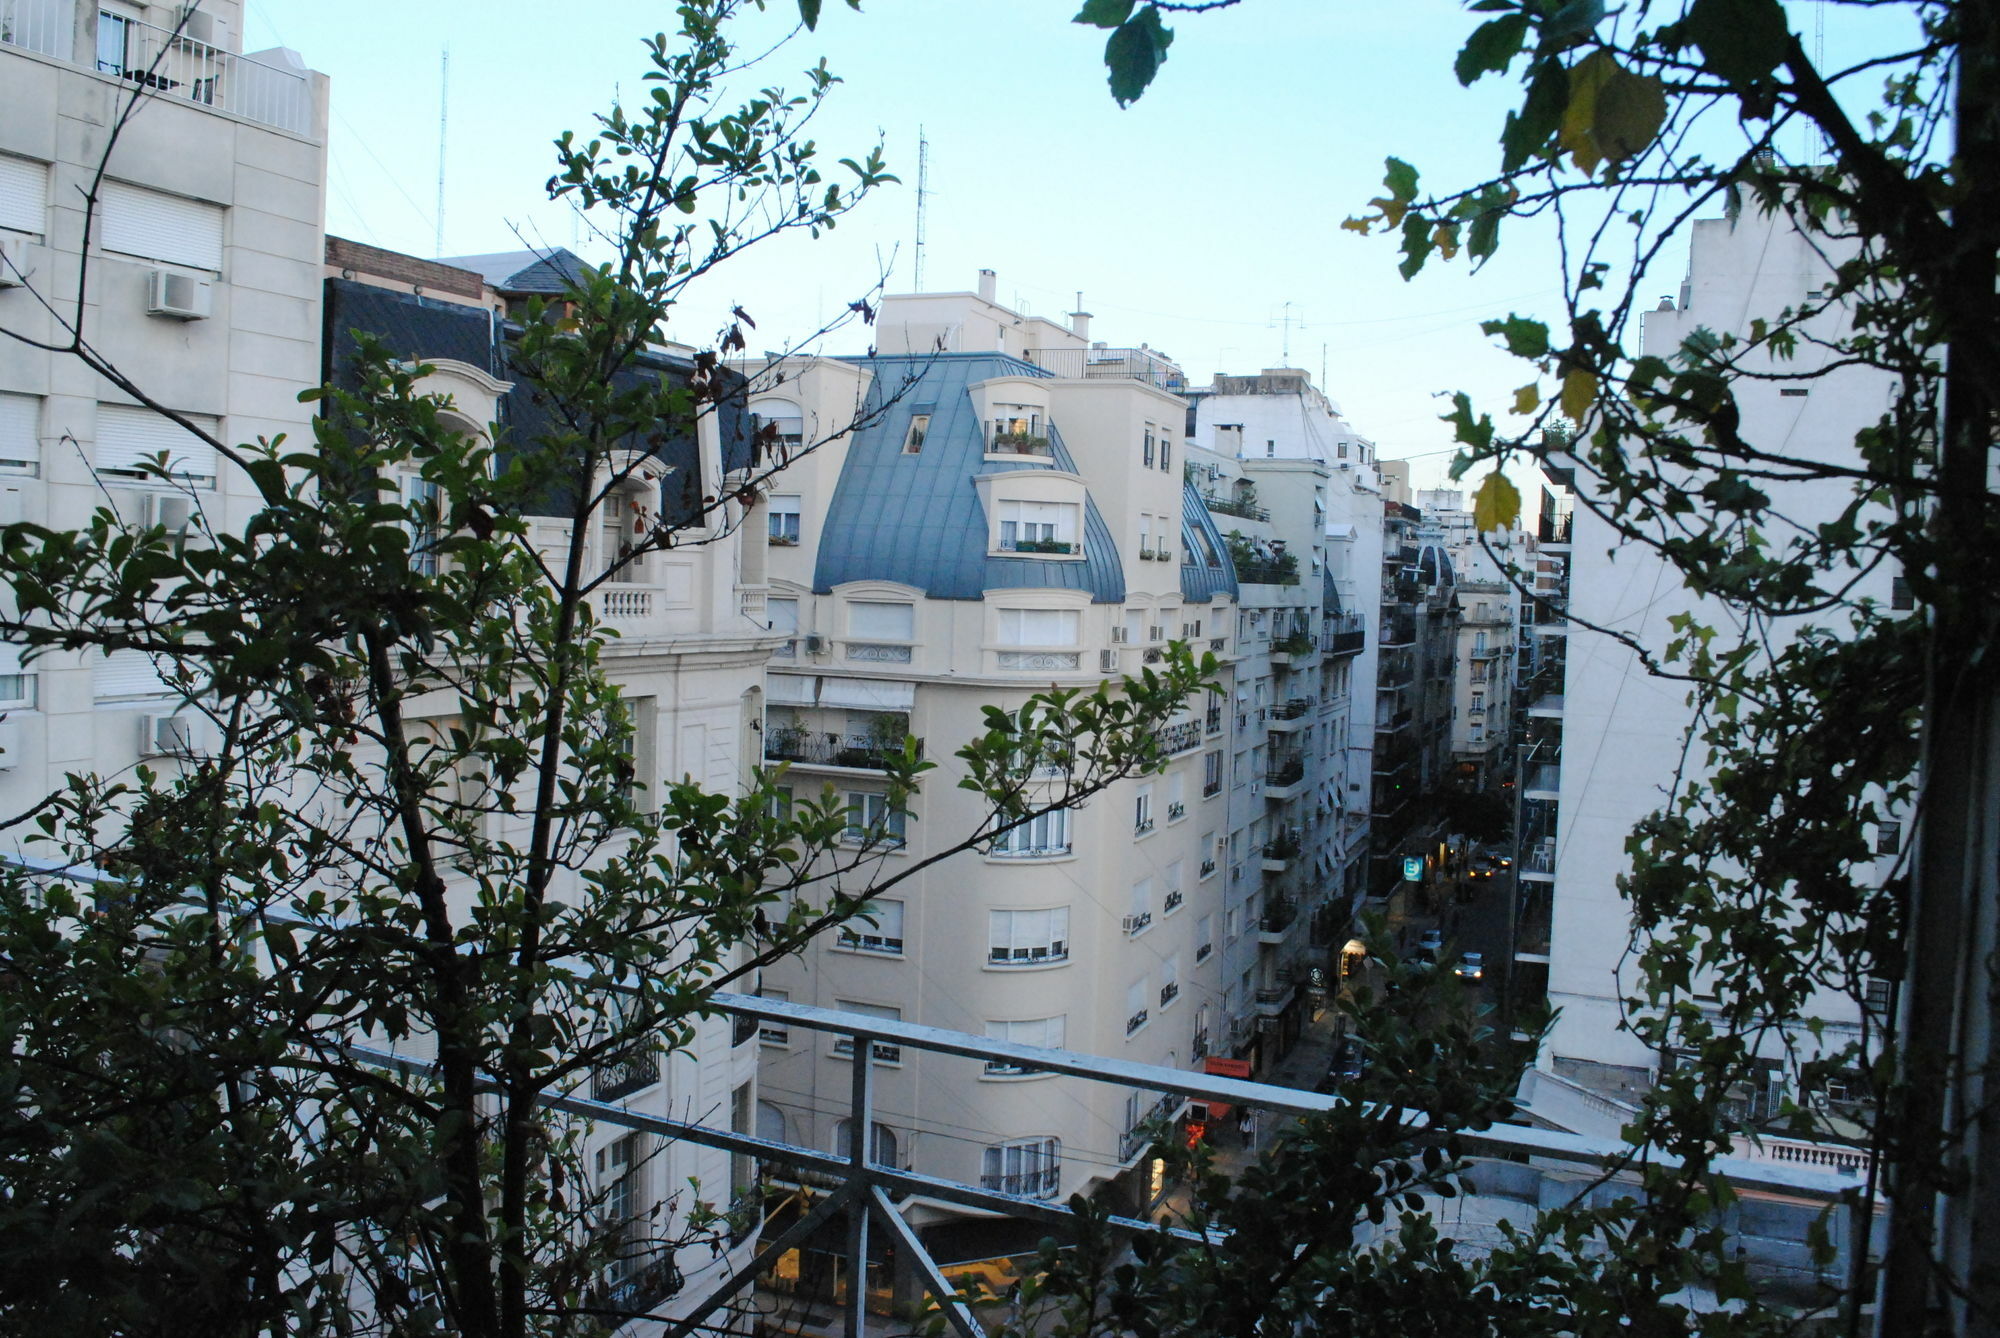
(444, 116)
(923, 195)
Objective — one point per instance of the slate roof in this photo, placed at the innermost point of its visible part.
(520, 272)
(916, 519)
(1206, 570)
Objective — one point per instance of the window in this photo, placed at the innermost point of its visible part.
(885, 935)
(881, 1142)
(114, 42)
(871, 821)
(1170, 888)
(1888, 838)
(920, 427)
(20, 434)
(1900, 595)
(1040, 627)
(1170, 980)
(770, 1031)
(1016, 424)
(1045, 527)
(1031, 1167)
(1149, 446)
(1166, 452)
(17, 684)
(875, 620)
(885, 1052)
(127, 673)
(1211, 774)
(771, 1123)
(130, 440)
(1025, 938)
(1177, 792)
(1140, 913)
(24, 196)
(1204, 937)
(621, 1175)
(786, 423)
(1877, 994)
(1136, 1011)
(152, 225)
(1142, 810)
(423, 502)
(1045, 834)
(782, 521)
(782, 615)
(1046, 1032)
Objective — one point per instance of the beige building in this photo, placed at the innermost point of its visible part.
(1012, 516)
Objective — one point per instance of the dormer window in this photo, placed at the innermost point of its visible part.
(783, 521)
(1038, 527)
(1018, 429)
(630, 517)
(920, 426)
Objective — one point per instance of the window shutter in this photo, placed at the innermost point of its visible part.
(127, 673)
(24, 195)
(891, 622)
(127, 435)
(782, 615)
(20, 425)
(156, 226)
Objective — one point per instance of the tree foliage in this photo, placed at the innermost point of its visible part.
(282, 1020)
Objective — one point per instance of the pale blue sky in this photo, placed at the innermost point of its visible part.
(1187, 221)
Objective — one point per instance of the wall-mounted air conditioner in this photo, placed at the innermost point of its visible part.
(815, 645)
(198, 25)
(13, 262)
(180, 296)
(177, 736)
(171, 511)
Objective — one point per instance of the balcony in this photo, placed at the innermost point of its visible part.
(1398, 630)
(1210, 789)
(1343, 634)
(619, 1078)
(1291, 716)
(1224, 506)
(1041, 547)
(1548, 706)
(1169, 992)
(1280, 852)
(1136, 1021)
(1181, 738)
(1544, 782)
(1208, 868)
(1111, 364)
(1279, 916)
(173, 66)
(1173, 902)
(1284, 778)
(1272, 1002)
(1020, 443)
(791, 739)
(639, 1287)
(1391, 724)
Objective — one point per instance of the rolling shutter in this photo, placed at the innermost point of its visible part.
(24, 196)
(156, 226)
(127, 673)
(128, 435)
(20, 427)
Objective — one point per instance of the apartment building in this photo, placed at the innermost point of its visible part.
(204, 290)
(1607, 735)
(1482, 718)
(1292, 487)
(1413, 701)
(688, 656)
(1010, 514)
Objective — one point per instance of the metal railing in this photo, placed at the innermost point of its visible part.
(859, 752)
(1230, 507)
(176, 66)
(1181, 737)
(47, 26)
(1110, 364)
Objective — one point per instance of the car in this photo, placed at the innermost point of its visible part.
(1483, 866)
(1471, 966)
(1431, 941)
(1349, 1062)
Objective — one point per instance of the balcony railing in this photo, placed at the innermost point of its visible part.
(46, 26)
(1172, 902)
(1285, 771)
(1230, 507)
(1252, 572)
(860, 752)
(1059, 547)
(1110, 364)
(176, 66)
(1343, 634)
(622, 1077)
(1020, 443)
(1182, 737)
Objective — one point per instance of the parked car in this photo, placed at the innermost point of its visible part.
(1349, 1062)
(1471, 966)
(1431, 941)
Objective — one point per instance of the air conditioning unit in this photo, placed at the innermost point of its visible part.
(177, 736)
(10, 744)
(198, 25)
(1118, 635)
(1132, 924)
(181, 296)
(13, 262)
(1107, 661)
(815, 645)
(171, 511)
(1345, 464)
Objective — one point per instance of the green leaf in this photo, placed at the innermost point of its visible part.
(1497, 504)
(809, 12)
(1525, 338)
(1491, 48)
(1613, 114)
(1741, 40)
(1104, 13)
(1134, 54)
(1579, 392)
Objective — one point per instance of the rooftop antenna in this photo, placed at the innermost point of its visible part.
(1322, 366)
(1285, 320)
(923, 195)
(444, 117)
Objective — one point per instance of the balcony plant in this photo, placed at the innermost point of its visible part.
(1020, 443)
(1042, 546)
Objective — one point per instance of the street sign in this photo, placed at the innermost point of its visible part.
(1413, 868)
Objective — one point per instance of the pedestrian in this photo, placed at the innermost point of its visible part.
(1248, 1128)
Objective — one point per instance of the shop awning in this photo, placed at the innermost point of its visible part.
(1222, 1067)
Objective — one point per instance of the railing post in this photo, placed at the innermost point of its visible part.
(860, 1125)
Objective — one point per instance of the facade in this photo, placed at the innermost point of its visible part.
(1289, 483)
(204, 290)
(689, 654)
(1483, 679)
(1607, 734)
(1010, 514)
(1413, 699)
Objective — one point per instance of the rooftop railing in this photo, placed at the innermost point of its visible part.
(175, 65)
(1111, 364)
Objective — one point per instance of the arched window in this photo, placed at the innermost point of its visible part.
(882, 1145)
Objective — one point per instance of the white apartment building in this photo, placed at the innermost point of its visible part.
(204, 289)
(1489, 601)
(1611, 732)
(1291, 485)
(1012, 515)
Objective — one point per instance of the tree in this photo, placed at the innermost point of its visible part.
(1632, 122)
(422, 829)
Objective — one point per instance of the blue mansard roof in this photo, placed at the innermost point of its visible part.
(916, 519)
(1206, 570)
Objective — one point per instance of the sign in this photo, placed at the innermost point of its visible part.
(1413, 868)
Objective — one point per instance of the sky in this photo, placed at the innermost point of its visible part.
(1203, 221)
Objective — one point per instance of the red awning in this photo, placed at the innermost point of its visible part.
(1222, 1067)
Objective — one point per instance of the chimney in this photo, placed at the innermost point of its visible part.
(989, 286)
(1079, 324)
